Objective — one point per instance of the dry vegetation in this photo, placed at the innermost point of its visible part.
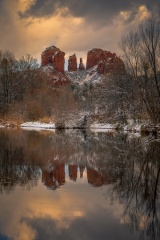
(25, 95)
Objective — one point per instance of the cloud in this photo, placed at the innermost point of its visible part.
(101, 10)
(73, 26)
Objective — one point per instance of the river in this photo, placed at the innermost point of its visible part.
(76, 185)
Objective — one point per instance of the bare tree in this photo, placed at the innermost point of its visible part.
(65, 107)
(7, 77)
(27, 75)
(141, 52)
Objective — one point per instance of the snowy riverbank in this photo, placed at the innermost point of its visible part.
(38, 125)
(102, 127)
(143, 127)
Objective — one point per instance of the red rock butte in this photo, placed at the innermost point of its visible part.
(105, 61)
(53, 62)
(54, 56)
(72, 63)
(81, 65)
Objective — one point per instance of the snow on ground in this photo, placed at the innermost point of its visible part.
(71, 124)
(101, 130)
(38, 126)
(129, 127)
(102, 127)
(135, 127)
(82, 77)
(133, 134)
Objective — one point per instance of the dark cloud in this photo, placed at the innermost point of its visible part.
(5, 15)
(96, 225)
(90, 9)
(1, 8)
(3, 237)
(40, 24)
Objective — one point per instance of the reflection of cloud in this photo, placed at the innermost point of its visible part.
(94, 226)
(59, 209)
(27, 211)
(142, 220)
(78, 213)
(26, 232)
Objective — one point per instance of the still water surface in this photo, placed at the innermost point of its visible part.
(73, 185)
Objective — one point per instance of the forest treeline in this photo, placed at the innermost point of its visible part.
(24, 90)
(22, 87)
(117, 97)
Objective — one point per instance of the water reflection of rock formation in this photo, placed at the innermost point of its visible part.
(95, 178)
(54, 175)
(73, 172)
(130, 165)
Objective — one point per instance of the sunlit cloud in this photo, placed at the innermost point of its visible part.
(65, 27)
(143, 12)
(26, 232)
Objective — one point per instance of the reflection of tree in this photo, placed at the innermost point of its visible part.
(138, 189)
(130, 166)
(15, 169)
(13, 172)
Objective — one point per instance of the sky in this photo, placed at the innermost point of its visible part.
(74, 26)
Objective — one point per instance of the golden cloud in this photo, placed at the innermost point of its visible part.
(71, 34)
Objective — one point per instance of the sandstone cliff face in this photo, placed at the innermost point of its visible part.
(105, 61)
(55, 57)
(94, 57)
(81, 65)
(53, 64)
(98, 61)
(72, 63)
